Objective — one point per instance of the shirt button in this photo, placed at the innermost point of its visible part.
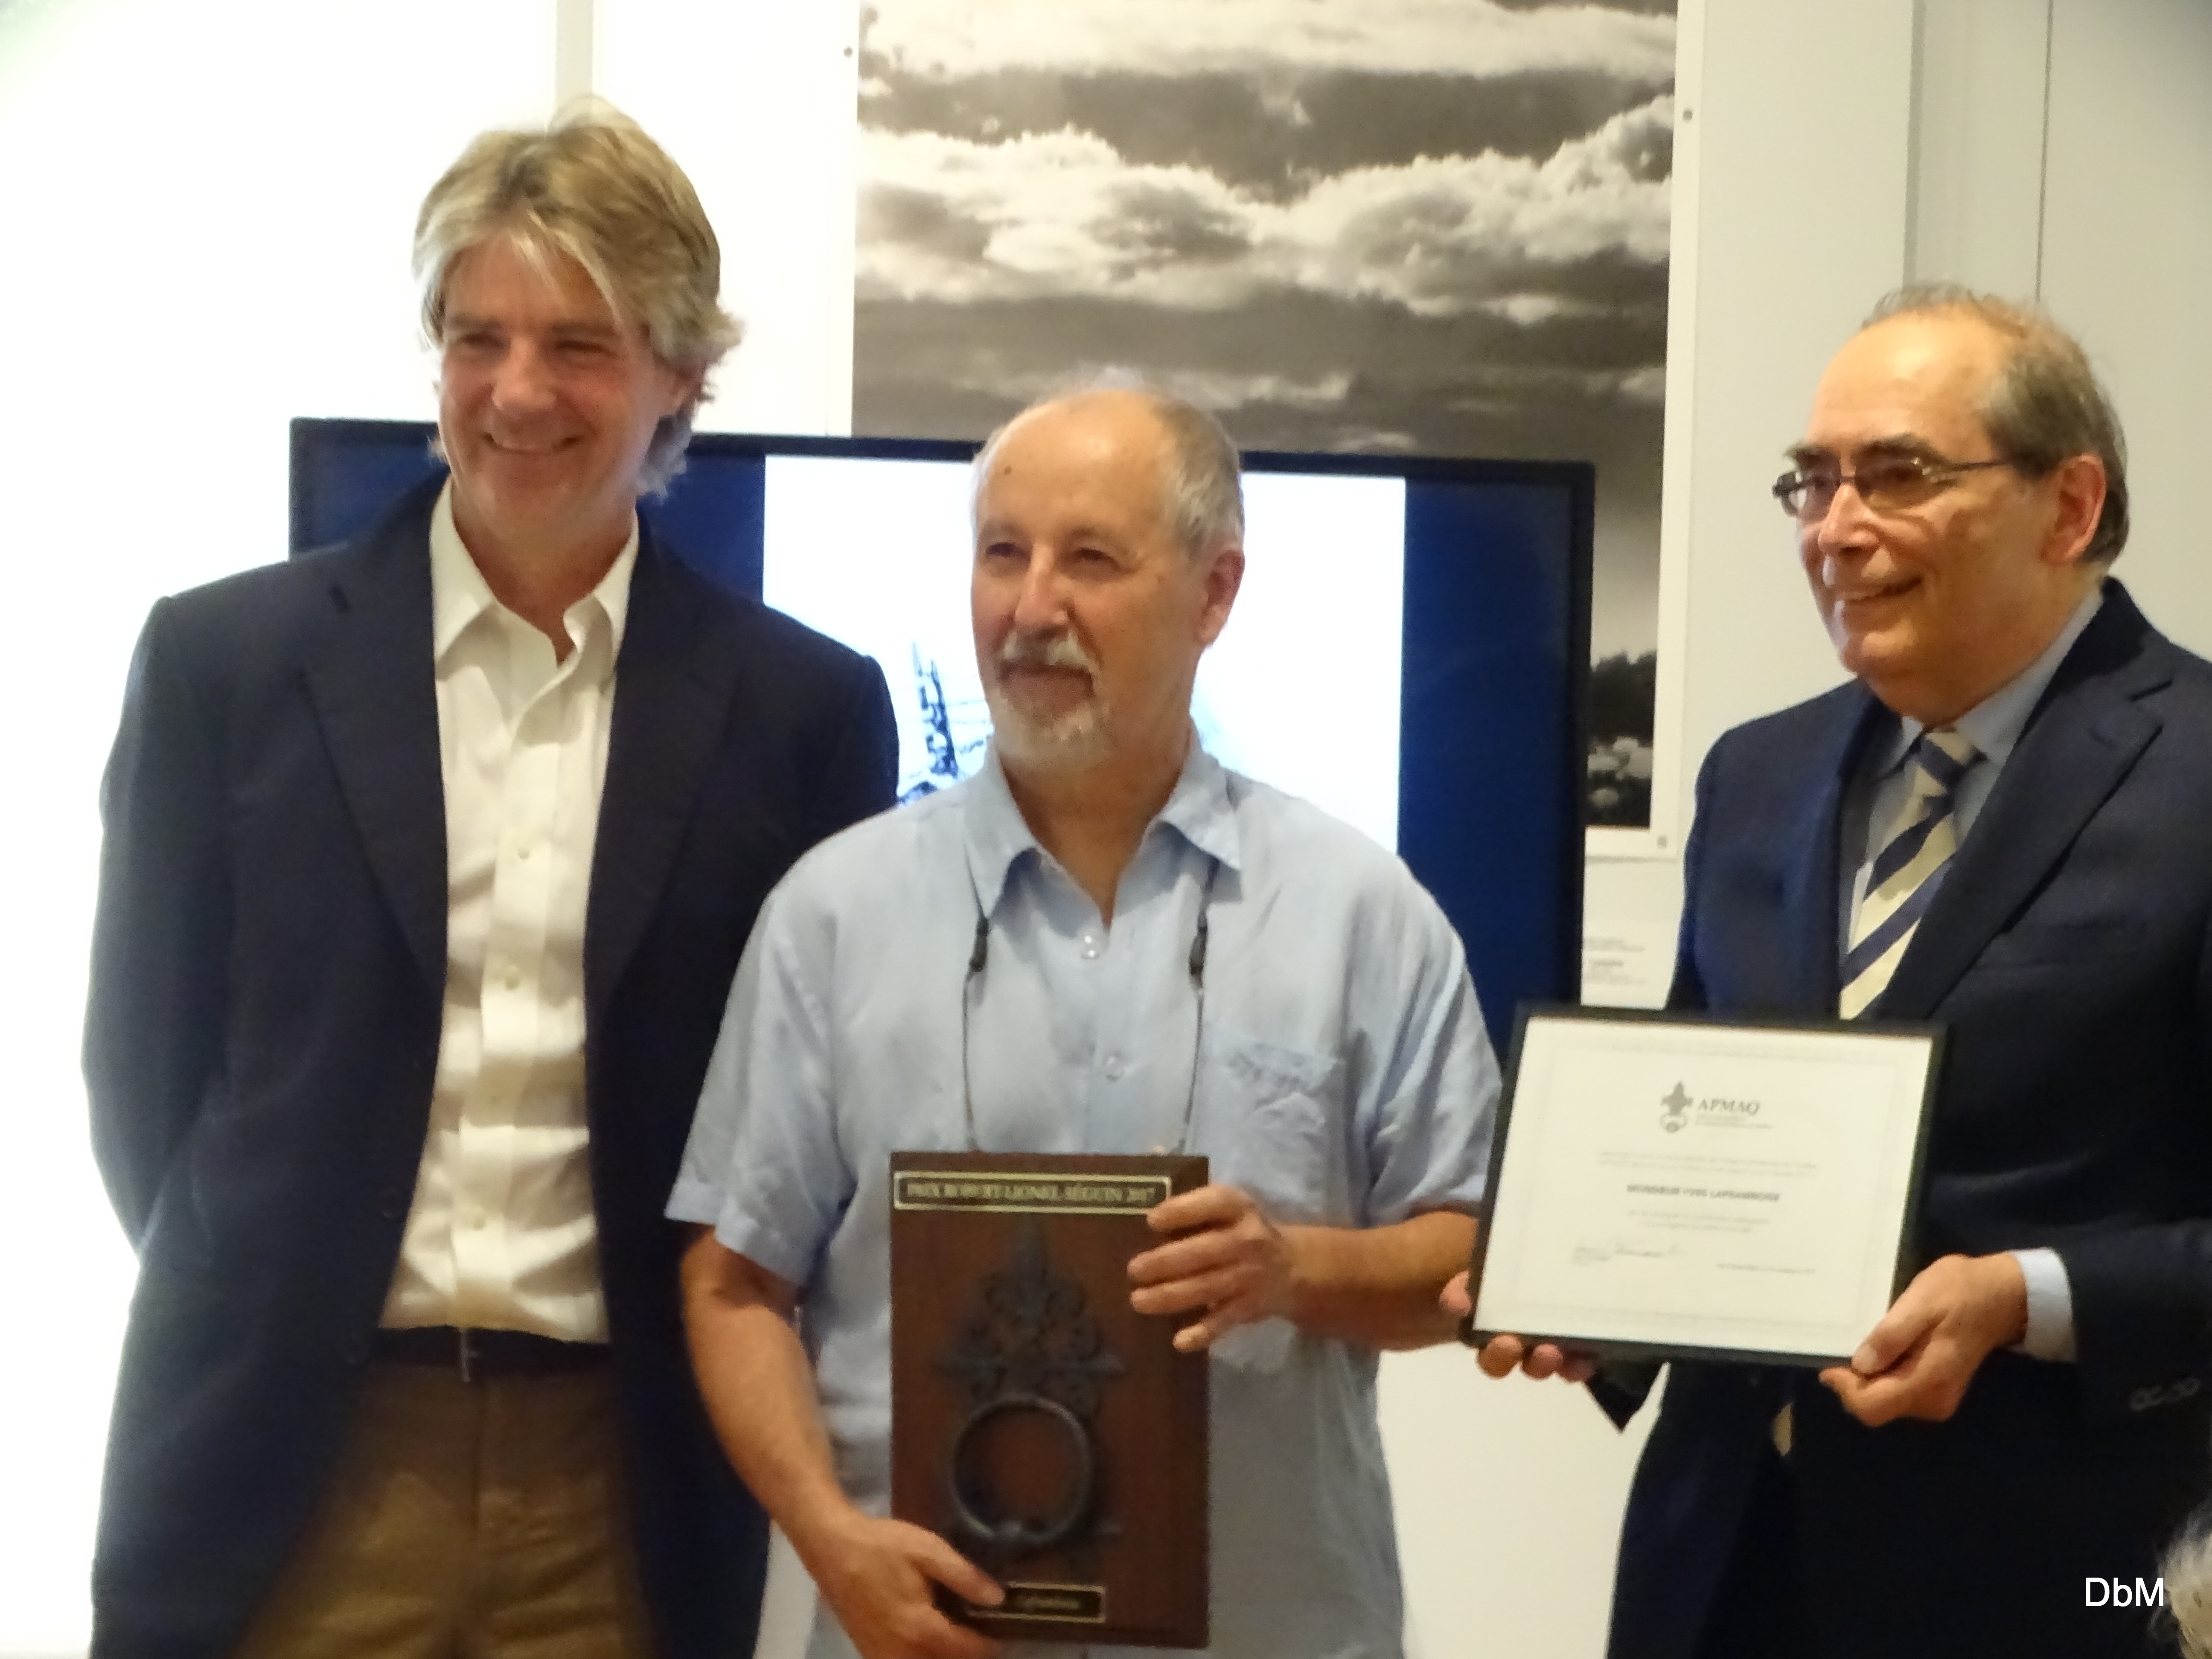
(1113, 1068)
(514, 979)
(1089, 947)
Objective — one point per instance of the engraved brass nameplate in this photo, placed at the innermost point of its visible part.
(1028, 1192)
(1072, 1603)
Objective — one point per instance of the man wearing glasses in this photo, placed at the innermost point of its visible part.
(2003, 824)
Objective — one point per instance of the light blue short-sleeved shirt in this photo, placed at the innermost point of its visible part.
(1343, 1078)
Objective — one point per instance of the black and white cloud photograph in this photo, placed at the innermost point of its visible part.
(1413, 226)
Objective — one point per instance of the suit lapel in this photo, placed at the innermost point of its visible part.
(372, 684)
(673, 682)
(2082, 740)
(1812, 889)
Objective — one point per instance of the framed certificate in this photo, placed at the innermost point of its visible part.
(1666, 1185)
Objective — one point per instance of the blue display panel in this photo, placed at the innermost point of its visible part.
(1409, 650)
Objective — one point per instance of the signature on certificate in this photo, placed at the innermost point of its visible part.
(1588, 1252)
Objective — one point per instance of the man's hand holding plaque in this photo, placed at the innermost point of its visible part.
(1225, 1262)
(882, 1576)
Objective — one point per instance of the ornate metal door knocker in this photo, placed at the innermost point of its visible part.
(1032, 1348)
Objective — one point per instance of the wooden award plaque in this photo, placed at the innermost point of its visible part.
(1048, 1430)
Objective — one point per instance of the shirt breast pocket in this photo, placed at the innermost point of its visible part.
(1275, 1127)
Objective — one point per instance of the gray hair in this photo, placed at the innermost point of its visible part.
(2187, 1570)
(2046, 404)
(594, 187)
(1202, 497)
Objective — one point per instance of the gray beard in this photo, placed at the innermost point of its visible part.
(1071, 743)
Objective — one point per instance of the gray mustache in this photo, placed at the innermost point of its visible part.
(1045, 651)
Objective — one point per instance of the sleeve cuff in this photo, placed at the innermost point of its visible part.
(695, 1199)
(2050, 1306)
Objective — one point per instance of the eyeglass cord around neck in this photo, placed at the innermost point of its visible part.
(979, 956)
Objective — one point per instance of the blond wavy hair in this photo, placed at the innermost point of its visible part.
(592, 187)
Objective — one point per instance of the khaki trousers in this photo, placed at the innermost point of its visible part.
(476, 1519)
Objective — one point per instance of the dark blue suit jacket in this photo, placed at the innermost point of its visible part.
(268, 970)
(2069, 953)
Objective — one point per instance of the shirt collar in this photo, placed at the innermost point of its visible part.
(1198, 809)
(1994, 725)
(459, 594)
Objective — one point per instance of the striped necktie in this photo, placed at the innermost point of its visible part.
(1908, 869)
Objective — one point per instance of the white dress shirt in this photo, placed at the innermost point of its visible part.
(501, 1234)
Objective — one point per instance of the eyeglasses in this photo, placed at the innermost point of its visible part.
(1887, 484)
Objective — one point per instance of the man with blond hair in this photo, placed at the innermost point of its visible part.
(428, 859)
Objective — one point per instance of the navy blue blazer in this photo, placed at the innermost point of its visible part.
(268, 968)
(2069, 953)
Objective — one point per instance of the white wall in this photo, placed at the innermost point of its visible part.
(1978, 129)
(208, 208)
(2127, 260)
(759, 102)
